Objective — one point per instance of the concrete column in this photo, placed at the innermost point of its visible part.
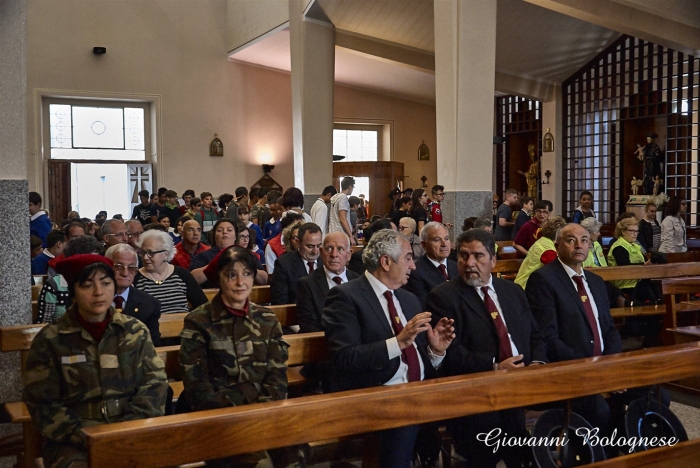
(465, 63)
(15, 273)
(312, 44)
(552, 119)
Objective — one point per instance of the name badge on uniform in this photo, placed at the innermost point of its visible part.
(73, 359)
(109, 361)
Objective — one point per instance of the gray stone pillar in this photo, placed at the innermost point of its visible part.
(312, 48)
(15, 273)
(465, 68)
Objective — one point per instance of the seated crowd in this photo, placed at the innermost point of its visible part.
(108, 282)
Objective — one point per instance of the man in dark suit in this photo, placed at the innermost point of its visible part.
(494, 329)
(572, 309)
(433, 268)
(374, 333)
(313, 289)
(128, 299)
(290, 267)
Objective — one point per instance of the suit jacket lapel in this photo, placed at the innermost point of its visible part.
(476, 304)
(569, 286)
(320, 279)
(373, 303)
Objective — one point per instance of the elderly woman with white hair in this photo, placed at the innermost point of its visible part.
(596, 258)
(172, 285)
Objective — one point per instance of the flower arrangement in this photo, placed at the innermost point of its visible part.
(660, 201)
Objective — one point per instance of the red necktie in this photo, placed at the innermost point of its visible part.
(337, 279)
(443, 270)
(504, 349)
(409, 355)
(597, 350)
(311, 266)
(119, 303)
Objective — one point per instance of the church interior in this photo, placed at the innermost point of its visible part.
(547, 97)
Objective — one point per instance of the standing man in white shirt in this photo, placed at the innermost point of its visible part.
(339, 213)
(319, 210)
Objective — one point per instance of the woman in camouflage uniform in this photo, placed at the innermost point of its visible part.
(93, 366)
(232, 352)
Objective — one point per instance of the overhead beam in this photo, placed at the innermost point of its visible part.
(525, 87)
(629, 20)
(417, 58)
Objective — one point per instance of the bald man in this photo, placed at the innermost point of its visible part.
(190, 246)
(313, 289)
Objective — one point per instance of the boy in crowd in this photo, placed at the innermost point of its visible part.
(39, 223)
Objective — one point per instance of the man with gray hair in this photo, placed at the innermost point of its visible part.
(495, 329)
(375, 334)
(114, 232)
(129, 300)
(407, 227)
(433, 268)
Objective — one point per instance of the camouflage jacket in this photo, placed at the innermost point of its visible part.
(71, 381)
(226, 360)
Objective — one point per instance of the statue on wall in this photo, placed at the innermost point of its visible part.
(532, 173)
(658, 185)
(651, 156)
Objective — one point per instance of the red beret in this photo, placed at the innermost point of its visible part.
(212, 270)
(70, 267)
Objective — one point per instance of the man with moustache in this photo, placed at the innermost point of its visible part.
(375, 335)
(494, 329)
(433, 268)
(129, 300)
(190, 246)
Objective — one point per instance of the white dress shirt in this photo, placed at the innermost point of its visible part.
(437, 264)
(330, 275)
(392, 344)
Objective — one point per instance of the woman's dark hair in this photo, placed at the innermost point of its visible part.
(211, 234)
(88, 272)
(376, 226)
(81, 245)
(293, 198)
(417, 193)
(400, 201)
(235, 255)
(224, 200)
(673, 206)
(240, 227)
(181, 219)
(469, 223)
(290, 218)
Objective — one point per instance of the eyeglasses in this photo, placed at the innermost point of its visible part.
(541, 211)
(244, 237)
(442, 194)
(121, 235)
(633, 231)
(402, 228)
(150, 254)
(121, 266)
(136, 235)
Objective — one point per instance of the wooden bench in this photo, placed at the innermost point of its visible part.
(171, 324)
(682, 454)
(225, 432)
(36, 290)
(259, 295)
(304, 348)
(677, 292)
(652, 271)
(507, 269)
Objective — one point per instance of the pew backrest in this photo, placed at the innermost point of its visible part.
(259, 295)
(652, 271)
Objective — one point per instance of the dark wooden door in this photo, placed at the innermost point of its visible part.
(59, 202)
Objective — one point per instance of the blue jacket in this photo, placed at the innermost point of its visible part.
(40, 226)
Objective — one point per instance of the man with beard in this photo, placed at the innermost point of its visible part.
(494, 329)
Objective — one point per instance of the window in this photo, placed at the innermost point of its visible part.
(79, 132)
(356, 145)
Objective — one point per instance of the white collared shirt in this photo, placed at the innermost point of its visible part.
(569, 271)
(330, 275)
(306, 264)
(494, 298)
(392, 344)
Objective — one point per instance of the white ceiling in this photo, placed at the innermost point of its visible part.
(531, 42)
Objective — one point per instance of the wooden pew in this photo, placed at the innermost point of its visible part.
(676, 292)
(260, 294)
(680, 455)
(35, 292)
(507, 269)
(675, 270)
(304, 348)
(225, 432)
